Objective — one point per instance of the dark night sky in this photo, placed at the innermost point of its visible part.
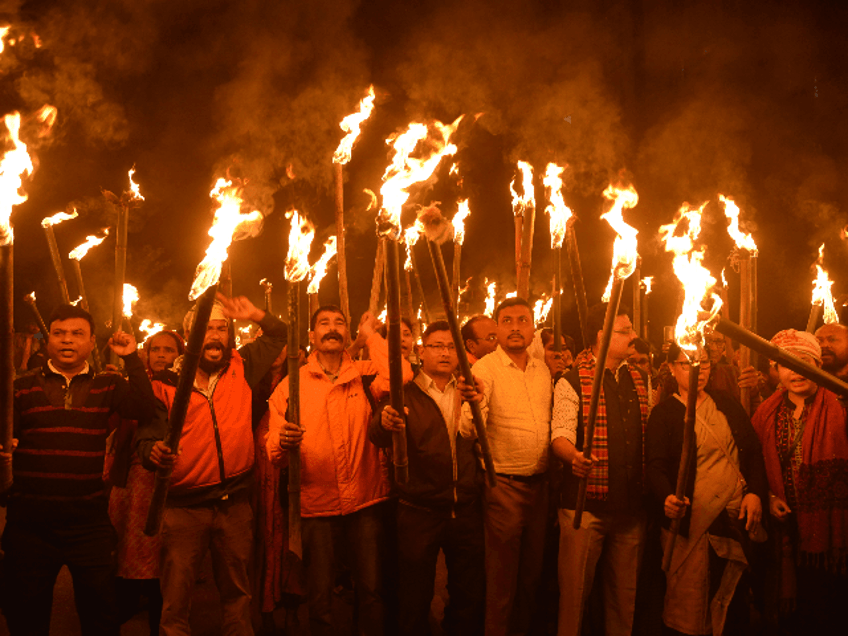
(685, 99)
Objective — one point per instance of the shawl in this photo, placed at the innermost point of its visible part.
(822, 480)
(597, 486)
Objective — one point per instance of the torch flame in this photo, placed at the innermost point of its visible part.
(300, 242)
(528, 200)
(14, 164)
(80, 251)
(491, 292)
(512, 294)
(383, 315)
(557, 210)
(351, 125)
(47, 115)
(647, 282)
(150, 328)
(680, 237)
(822, 295)
(58, 218)
(319, 270)
(624, 251)
(410, 237)
(405, 171)
(4, 31)
(130, 298)
(743, 241)
(136, 193)
(541, 309)
(229, 225)
(458, 222)
(30, 298)
(266, 283)
(77, 301)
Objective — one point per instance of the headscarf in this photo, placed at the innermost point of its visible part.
(799, 343)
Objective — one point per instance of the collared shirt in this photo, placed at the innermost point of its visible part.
(446, 400)
(52, 367)
(516, 409)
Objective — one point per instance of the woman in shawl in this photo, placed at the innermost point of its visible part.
(802, 428)
(722, 507)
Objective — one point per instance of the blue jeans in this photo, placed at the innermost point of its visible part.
(362, 534)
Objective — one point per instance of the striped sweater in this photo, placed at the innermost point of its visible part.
(62, 428)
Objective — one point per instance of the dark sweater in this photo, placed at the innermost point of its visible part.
(664, 446)
(62, 429)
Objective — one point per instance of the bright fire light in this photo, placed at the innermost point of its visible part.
(491, 293)
(300, 242)
(130, 298)
(541, 309)
(527, 200)
(351, 125)
(80, 251)
(77, 301)
(47, 115)
(15, 163)
(58, 218)
(134, 187)
(4, 31)
(743, 241)
(646, 283)
(458, 222)
(624, 250)
(680, 237)
(319, 269)
(822, 294)
(229, 225)
(557, 210)
(410, 237)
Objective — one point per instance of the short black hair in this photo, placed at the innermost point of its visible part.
(178, 341)
(515, 301)
(641, 346)
(331, 308)
(408, 323)
(548, 336)
(595, 319)
(66, 312)
(467, 331)
(674, 352)
(433, 327)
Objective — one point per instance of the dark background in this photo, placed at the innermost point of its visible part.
(682, 98)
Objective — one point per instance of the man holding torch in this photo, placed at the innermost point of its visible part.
(343, 478)
(208, 503)
(614, 519)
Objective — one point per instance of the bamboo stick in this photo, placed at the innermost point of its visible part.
(293, 416)
(314, 303)
(745, 320)
(420, 288)
(41, 324)
(341, 259)
(636, 280)
(57, 264)
(97, 362)
(577, 280)
(815, 315)
(525, 262)
(519, 230)
(377, 277)
(457, 257)
(120, 275)
(7, 360)
(399, 450)
(557, 303)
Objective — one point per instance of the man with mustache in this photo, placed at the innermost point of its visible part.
(833, 339)
(208, 504)
(514, 392)
(343, 478)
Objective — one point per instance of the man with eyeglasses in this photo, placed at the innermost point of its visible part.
(480, 335)
(514, 393)
(439, 506)
(613, 528)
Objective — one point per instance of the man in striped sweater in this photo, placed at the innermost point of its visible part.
(57, 508)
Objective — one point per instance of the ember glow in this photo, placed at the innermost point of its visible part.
(77, 301)
(541, 309)
(527, 200)
(130, 298)
(491, 292)
(646, 283)
(300, 242)
(624, 250)
(410, 237)
(743, 241)
(229, 225)
(47, 116)
(680, 238)
(319, 270)
(58, 218)
(822, 294)
(150, 328)
(351, 125)
(15, 163)
(80, 251)
(458, 222)
(557, 210)
(134, 187)
(405, 171)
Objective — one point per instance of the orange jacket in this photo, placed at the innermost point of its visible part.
(341, 471)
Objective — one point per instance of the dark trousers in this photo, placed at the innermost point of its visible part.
(34, 556)
(362, 536)
(421, 534)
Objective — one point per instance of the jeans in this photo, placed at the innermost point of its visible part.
(34, 556)
(362, 534)
(421, 533)
(225, 527)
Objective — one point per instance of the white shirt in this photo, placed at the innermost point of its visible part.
(516, 409)
(447, 402)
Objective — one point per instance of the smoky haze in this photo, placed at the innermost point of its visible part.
(684, 102)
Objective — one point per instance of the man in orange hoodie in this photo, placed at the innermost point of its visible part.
(343, 477)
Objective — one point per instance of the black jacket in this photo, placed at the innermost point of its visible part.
(431, 477)
(664, 446)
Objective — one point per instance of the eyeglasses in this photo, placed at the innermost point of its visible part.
(489, 338)
(441, 347)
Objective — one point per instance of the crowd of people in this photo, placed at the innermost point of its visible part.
(763, 539)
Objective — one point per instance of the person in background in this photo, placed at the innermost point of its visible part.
(479, 333)
(833, 340)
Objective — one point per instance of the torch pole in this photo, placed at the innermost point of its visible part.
(341, 260)
(179, 407)
(686, 455)
(7, 360)
(57, 264)
(577, 279)
(399, 454)
(782, 357)
(457, 256)
(745, 306)
(597, 387)
(41, 323)
(268, 299)
(645, 316)
(120, 276)
(815, 314)
(314, 303)
(464, 366)
(636, 279)
(557, 302)
(526, 253)
(410, 311)
(519, 223)
(377, 277)
(97, 361)
(754, 303)
(418, 284)
(293, 416)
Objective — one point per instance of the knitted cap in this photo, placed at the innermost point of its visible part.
(799, 343)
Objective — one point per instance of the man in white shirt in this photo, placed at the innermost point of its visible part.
(515, 398)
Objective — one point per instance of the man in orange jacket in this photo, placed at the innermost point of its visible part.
(208, 501)
(343, 477)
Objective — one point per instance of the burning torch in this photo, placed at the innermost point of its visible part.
(559, 214)
(267, 287)
(76, 257)
(48, 224)
(410, 238)
(317, 273)
(822, 302)
(458, 223)
(524, 209)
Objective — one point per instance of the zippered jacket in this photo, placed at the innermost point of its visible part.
(217, 439)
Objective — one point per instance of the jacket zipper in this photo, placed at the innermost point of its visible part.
(217, 433)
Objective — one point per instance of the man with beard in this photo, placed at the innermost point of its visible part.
(613, 527)
(480, 335)
(208, 501)
(343, 479)
(833, 339)
(514, 392)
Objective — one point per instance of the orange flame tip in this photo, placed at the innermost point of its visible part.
(541, 309)
(14, 164)
(491, 293)
(130, 297)
(351, 125)
(822, 294)
(526, 201)
(625, 249)
(80, 251)
(266, 284)
(646, 283)
(300, 242)
(410, 237)
(58, 218)
(743, 241)
(150, 328)
(136, 193)
(319, 269)
(557, 210)
(458, 221)
(47, 114)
